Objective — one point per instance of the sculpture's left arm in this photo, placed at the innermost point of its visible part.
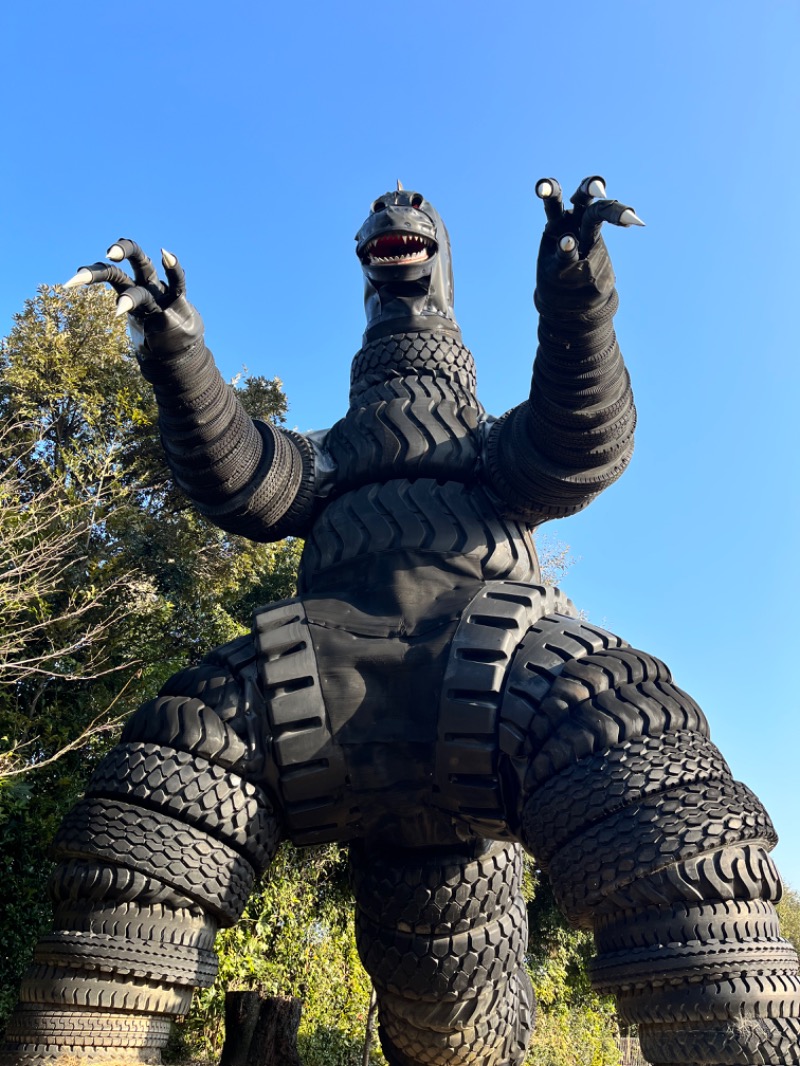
(573, 437)
(247, 477)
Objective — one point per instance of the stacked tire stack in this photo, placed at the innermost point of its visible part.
(161, 852)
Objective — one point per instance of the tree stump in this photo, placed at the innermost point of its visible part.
(261, 1031)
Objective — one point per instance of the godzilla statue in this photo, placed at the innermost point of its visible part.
(424, 697)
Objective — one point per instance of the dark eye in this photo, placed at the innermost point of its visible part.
(379, 205)
(416, 201)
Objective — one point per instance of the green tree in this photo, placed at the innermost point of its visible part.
(574, 1026)
(789, 914)
(109, 582)
(295, 938)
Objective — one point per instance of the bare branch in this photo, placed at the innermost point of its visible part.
(9, 760)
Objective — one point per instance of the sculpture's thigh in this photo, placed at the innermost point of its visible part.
(160, 853)
(443, 932)
(649, 841)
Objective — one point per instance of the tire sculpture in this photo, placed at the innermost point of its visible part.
(423, 688)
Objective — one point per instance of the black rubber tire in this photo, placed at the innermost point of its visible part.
(34, 1025)
(490, 629)
(731, 920)
(744, 872)
(422, 515)
(495, 1038)
(62, 986)
(751, 1042)
(194, 791)
(186, 724)
(579, 727)
(438, 355)
(155, 923)
(101, 953)
(443, 933)
(97, 881)
(433, 968)
(674, 964)
(591, 790)
(162, 848)
(669, 827)
(547, 648)
(727, 1000)
(425, 895)
(43, 1055)
(406, 427)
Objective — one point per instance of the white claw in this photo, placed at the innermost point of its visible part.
(544, 189)
(167, 258)
(567, 243)
(83, 277)
(124, 305)
(115, 253)
(597, 188)
(630, 218)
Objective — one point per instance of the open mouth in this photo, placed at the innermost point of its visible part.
(397, 249)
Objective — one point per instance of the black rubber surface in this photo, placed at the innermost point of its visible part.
(195, 791)
(439, 355)
(442, 933)
(160, 847)
(755, 1042)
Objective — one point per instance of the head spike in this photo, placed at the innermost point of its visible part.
(399, 185)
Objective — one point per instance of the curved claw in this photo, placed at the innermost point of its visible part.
(568, 247)
(123, 249)
(590, 188)
(99, 272)
(83, 277)
(143, 270)
(176, 277)
(124, 305)
(630, 218)
(549, 190)
(604, 211)
(137, 298)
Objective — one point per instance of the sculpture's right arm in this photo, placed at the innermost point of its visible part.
(248, 477)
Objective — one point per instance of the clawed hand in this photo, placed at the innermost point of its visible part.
(144, 293)
(577, 230)
(573, 256)
(155, 307)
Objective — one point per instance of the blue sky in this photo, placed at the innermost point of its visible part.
(250, 140)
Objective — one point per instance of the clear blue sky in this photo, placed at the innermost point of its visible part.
(250, 139)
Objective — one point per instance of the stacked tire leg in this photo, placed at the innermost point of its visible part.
(648, 840)
(442, 933)
(160, 853)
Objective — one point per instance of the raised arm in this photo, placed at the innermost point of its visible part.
(247, 477)
(573, 437)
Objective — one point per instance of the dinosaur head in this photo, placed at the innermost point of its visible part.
(405, 255)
